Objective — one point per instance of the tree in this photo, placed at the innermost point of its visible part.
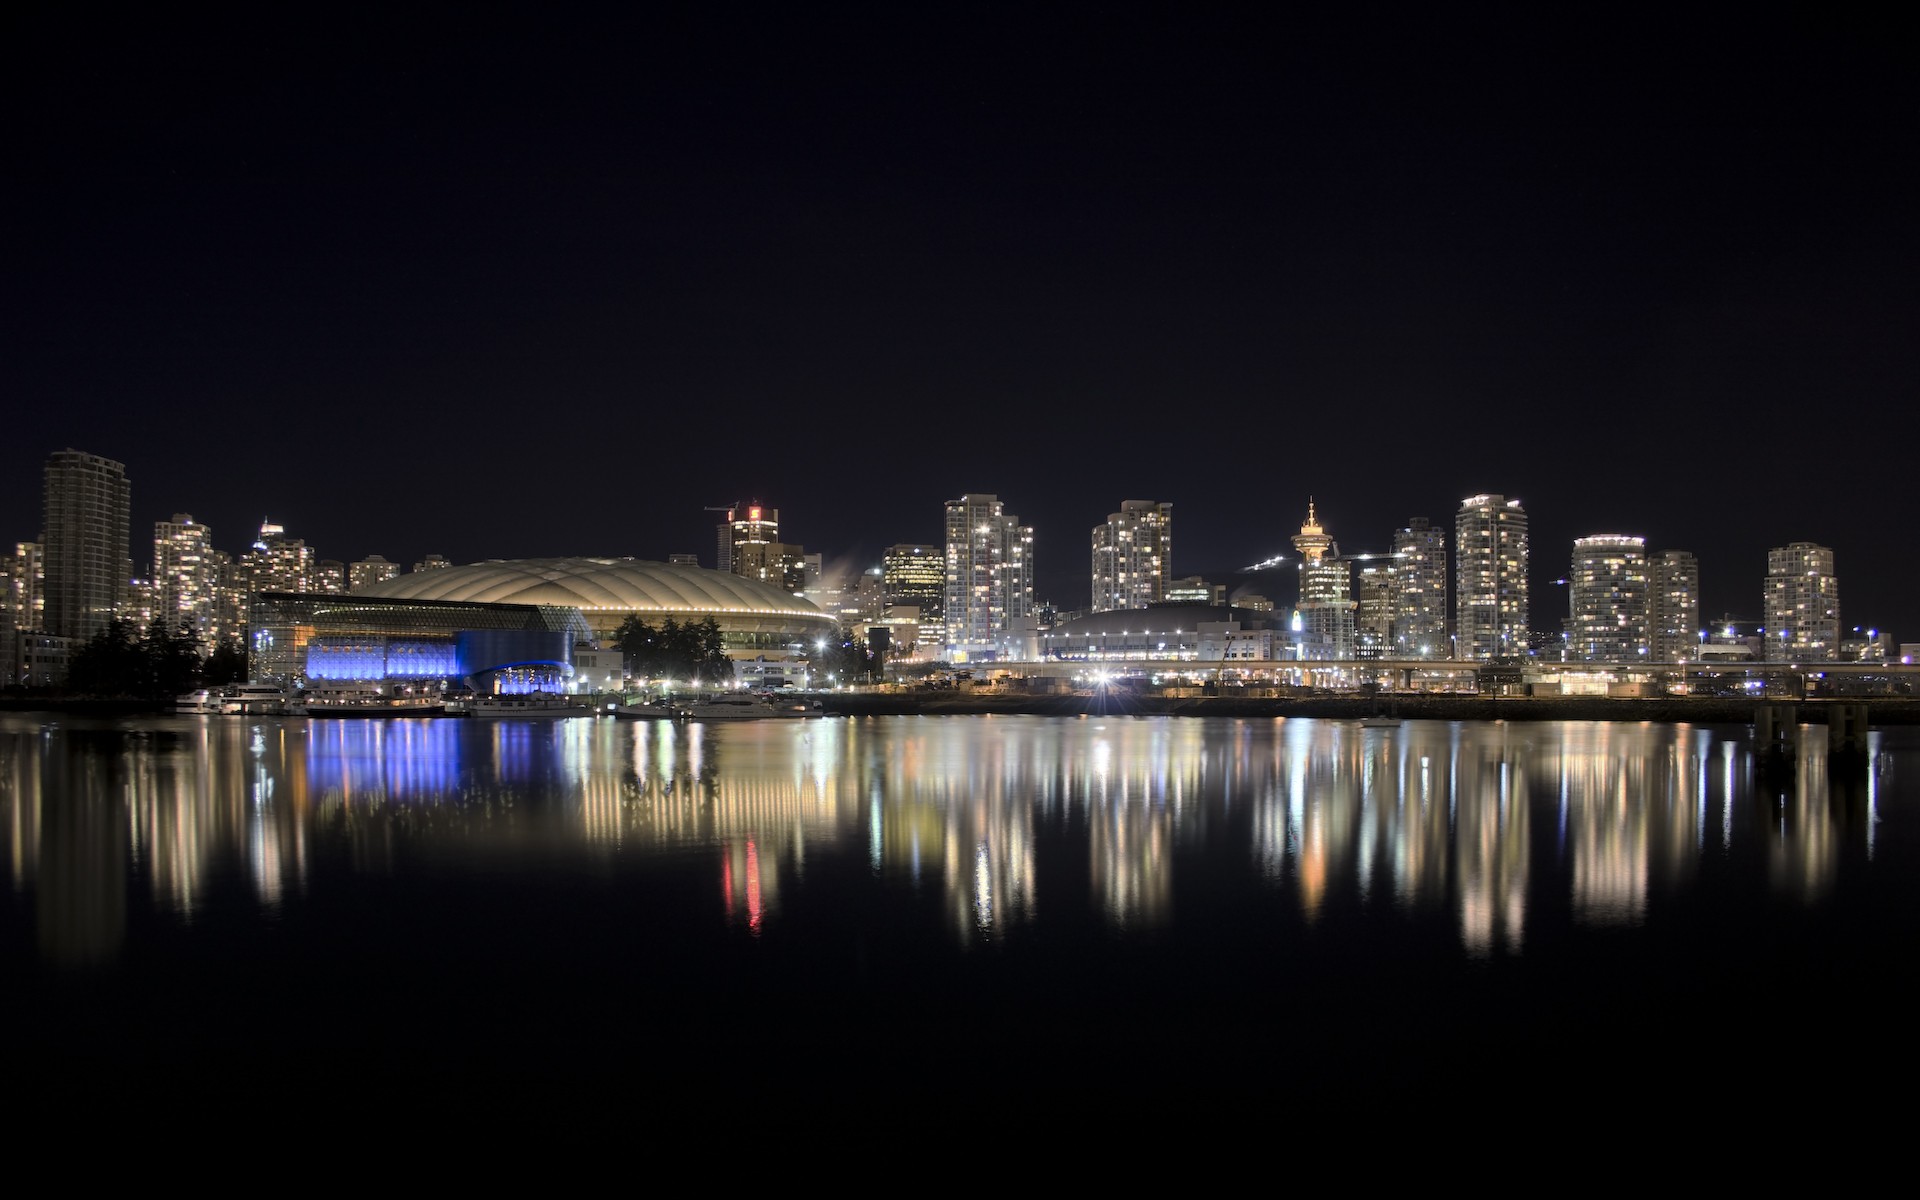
(227, 664)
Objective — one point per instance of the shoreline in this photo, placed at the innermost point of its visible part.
(1882, 711)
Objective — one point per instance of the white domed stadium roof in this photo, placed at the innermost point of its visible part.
(599, 585)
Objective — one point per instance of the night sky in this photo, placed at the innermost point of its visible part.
(498, 283)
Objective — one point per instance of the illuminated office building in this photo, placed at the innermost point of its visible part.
(1673, 608)
(916, 576)
(1607, 599)
(371, 570)
(1326, 607)
(1420, 591)
(989, 577)
(1379, 585)
(1803, 604)
(746, 526)
(330, 577)
(85, 538)
(1490, 556)
(186, 582)
(1133, 556)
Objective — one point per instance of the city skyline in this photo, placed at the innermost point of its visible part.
(281, 561)
(1623, 278)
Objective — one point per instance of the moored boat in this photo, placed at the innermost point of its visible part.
(200, 703)
(530, 704)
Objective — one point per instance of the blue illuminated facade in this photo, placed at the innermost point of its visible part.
(301, 638)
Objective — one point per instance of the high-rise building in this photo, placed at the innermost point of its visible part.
(1326, 605)
(87, 570)
(777, 563)
(1373, 621)
(29, 585)
(1490, 557)
(371, 570)
(185, 583)
(916, 576)
(1803, 604)
(1673, 607)
(989, 577)
(1133, 556)
(747, 525)
(278, 563)
(1607, 600)
(1420, 590)
(433, 562)
(330, 576)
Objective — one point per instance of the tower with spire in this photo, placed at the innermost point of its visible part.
(1326, 605)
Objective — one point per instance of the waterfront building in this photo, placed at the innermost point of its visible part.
(989, 579)
(1133, 556)
(1420, 590)
(371, 570)
(1490, 554)
(513, 625)
(1607, 598)
(88, 500)
(432, 562)
(1673, 610)
(185, 584)
(916, 576)
(1802, 604)
(1326, 608)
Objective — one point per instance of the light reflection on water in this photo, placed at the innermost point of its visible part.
(998, 821)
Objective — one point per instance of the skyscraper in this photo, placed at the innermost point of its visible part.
(1420, 590)
(1326, 605)
(1607, 600)
(1673, 610)
(989, 576)
(1379, 588)
(186, 582)
(1490, 558)
(1803, 604)
(917, 575)
(1133, 556)
(748, 525)
(87, 569)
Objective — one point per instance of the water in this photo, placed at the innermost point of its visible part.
(1003, 908)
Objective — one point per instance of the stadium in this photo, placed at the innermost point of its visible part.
(513, 624)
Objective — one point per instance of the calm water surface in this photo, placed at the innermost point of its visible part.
(915, 906)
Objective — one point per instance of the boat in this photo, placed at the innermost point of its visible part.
(458, 704)
(367, 702)
(202, 703)
(530, 704)
(254, 700)
(652, 710)
(748, 708)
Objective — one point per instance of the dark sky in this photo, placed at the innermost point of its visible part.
(492, 282)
